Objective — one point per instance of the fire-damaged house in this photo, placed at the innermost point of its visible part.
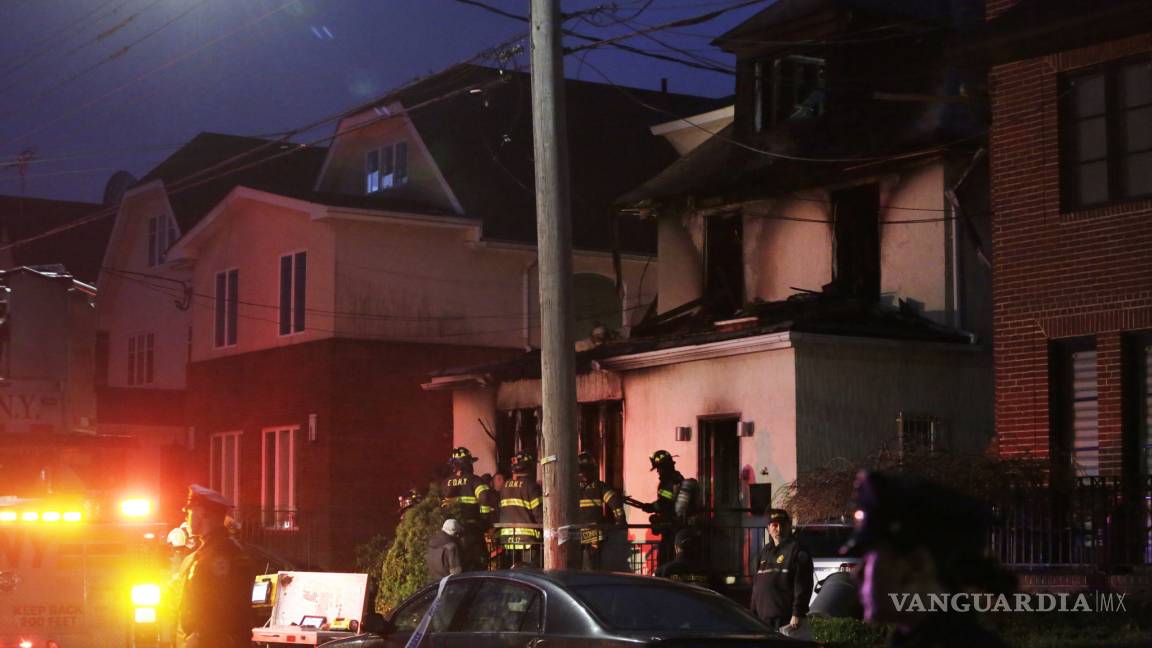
(824, 286)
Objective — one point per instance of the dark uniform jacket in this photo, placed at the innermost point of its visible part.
(443, 557)
(599, 505)
(471, 496)
(520, 504)
(666, 492)
(215, 593)
(782, 586)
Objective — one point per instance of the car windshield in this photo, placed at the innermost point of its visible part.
(674, 609)
(824, 541)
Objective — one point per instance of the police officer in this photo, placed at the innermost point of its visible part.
(468, 499)
(600, 506)
(782, 586)
(664, 519)
(215, 581)
(521, 515)
(919, 538)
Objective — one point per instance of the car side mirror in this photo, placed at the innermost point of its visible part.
(375, 623)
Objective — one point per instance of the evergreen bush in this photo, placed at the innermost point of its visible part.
(402, 572)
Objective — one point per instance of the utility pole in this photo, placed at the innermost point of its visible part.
(554, 245)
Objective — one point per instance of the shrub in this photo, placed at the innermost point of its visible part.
(847, 633)
(402, 572)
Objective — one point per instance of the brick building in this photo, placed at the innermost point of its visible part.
(1070, 84)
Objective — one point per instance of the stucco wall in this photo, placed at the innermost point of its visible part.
(469, 407)
(850, 391)
(136, 304)
(758, 387)
(251, 236)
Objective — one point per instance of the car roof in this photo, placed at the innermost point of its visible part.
(566, 577)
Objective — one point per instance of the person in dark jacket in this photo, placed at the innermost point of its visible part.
(782, 586)
(215, 581)
(601, 509)
(685, 567)
(920, 539)
(521, 515)
(469, 500)
(665, 522)
(443, 557)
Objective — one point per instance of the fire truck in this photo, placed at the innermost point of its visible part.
(83, 558)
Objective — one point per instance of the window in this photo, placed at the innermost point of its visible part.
(856, 231)
(516, 431)
(161, 235)
(917, 435)
(225, 465)
(227, 303)
(601, 433)
(141, 359)
(502, 606)
(293, 283)
(724, 262)
(1106, 134)
(278, 486)
(1137, 399)
(1075, 406)
(386, 168)
(787, 88)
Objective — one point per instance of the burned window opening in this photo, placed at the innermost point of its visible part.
(724, 262)
(856, 218)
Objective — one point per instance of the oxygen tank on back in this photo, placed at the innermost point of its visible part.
(686, 498)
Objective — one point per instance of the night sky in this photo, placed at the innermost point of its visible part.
(89, 87)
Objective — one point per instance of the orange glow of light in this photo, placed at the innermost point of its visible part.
(29, 516)
(145, 615)
(136, 507)
(7, 516)
(73, 516)
(51, 516)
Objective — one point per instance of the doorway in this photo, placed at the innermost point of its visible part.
(720, 493)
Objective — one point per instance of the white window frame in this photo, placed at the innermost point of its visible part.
(226, 310)
(392, 157)
(278, 499)
(161, 235)
(141, 359)
(218, 465)
(290, 322)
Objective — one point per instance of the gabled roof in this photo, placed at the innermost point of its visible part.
(477, 125)
(282, 168)
(80, 249)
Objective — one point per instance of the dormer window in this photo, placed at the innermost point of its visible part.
(161, 235)
(790, 87)
(386, 168)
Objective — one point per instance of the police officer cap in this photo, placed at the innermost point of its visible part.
(778, 515)
(907, 512)
(207, 497)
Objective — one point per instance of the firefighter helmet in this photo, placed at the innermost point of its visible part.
(522, 462)
(661, 458)
(585, 460)
(462, 455)
(409, 499)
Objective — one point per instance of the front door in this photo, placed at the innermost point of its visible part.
(720, 487)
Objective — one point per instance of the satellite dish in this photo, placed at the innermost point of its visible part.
(117, 185)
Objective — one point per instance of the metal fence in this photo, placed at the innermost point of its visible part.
(290, 534)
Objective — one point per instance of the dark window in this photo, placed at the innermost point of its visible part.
(454, 596)
(601, 434)
(917, 435)
(724, 262)
(516, 431)
(856, 214)
(153, 252)
(409, 616)
(386, 168)
(1075, 407)
(791, 87)
(502, 606)
(293, 288)
(1137, 397)
(227, 308)
(1106, 134)
(651, 608)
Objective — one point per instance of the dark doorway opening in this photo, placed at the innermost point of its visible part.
(856, 215)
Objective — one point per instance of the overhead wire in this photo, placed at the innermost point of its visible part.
(19, 62)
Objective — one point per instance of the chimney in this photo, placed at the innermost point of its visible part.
(664, 85)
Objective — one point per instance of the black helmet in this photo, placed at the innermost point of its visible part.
(585, 460)
(409, 499)
(462, 455)
(522, 462)
(661, 458)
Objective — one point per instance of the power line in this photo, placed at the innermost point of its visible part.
(21, 61)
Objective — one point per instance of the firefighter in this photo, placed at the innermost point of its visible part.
(520, 501)
(408, 500)
(665, 520)
(685, 567)
(215, 581)
(596, 497)
(469, 501)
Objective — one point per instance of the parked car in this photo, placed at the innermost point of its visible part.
(564, 609)
(823, 542)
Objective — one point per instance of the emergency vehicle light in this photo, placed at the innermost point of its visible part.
(146, 594)
(136, 507)
(72, 516)
(7, 516)
(29, 516)
(51, 516)
(145, 615)
(24, 643)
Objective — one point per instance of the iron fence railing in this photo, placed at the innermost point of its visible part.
(292, 534)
